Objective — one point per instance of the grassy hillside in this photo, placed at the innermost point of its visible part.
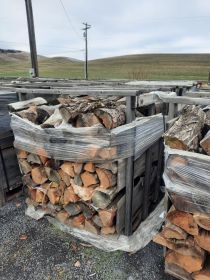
(147, 66)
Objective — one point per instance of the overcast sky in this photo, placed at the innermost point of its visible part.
(118, 26)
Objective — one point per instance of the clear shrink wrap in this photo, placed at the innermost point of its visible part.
(96, 143)
(187, 180)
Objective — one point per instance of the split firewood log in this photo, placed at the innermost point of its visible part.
(107, 216)
(174, 232)
(189, 263)
(67, 167)
(32, 193)
(78, 180)
(25, 166)
(112, 166)
(20, 105)
(202, 220)
(203, 274)
(62, 216)
(52, 175)
(39, 175)
(34, 114)
(102, 197)
(107, 178)
(54, 120)
(41, 197)
(84, 193)
(90, 167)
(73, 209)
(111, 118)
(205, 143)
(87, 120)
(27, 181)
(183, 220)
(185, 133)
(43, 159)
(177, 271)
(21, 154)
(78, 167)
(65, 177)
(70, 196)
(91, 227)
(78, 221)
(203, 239)
(186, 247)
(87, 210)
(108, 230)
(32, 158)
(54, 195)
(89, 179)
(96, 219)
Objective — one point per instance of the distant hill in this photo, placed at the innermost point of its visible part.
(139, 66)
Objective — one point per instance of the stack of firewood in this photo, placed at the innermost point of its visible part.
(77, 194)
(186, 234)
(187, 239)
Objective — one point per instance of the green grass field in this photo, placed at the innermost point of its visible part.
(141, 67)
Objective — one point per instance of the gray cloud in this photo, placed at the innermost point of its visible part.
(118, 26)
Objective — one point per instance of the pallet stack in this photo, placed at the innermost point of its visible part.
(72, 153)
(186, 234)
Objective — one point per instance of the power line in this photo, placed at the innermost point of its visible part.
(69, 19)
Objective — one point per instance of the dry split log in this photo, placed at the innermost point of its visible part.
(202, 220)
(186, 131)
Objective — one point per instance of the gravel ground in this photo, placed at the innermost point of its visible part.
(49, 254)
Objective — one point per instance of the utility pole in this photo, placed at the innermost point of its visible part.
(32, 39)
(87, 26)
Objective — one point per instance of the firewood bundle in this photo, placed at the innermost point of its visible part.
(77, 194)
(187, 239)
(78, 112)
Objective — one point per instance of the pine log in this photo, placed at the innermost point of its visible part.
(202, 220)
(90, 167)
(73, 209)
(108, 230)
(69, 196)
(52, 175)
(184, 221)
(67, 167)
(87, 120)
(39, 175)
(54, 195)
(111, 118)
(22, 154)
(107, 178)
(107, 216)
(185, 133)
(25, 166)
(91, 227)
(203, 239)
(89, 179)
(188, 263)
(205, 143)
(172, 231)
(62, 216)
(78, 167)
(65, 177)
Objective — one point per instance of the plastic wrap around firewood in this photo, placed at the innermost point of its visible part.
(87, 143)
(187, 180)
